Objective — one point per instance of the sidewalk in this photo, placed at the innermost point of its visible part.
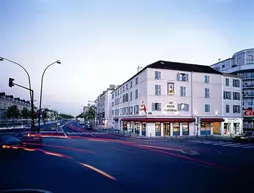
(182, 138)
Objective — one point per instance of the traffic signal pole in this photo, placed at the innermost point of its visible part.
(11, 84)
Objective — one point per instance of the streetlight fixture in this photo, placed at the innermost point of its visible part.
(56, 62)
(30, 89)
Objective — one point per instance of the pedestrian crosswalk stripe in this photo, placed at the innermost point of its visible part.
(249, 146)
(231, 145)
(224, 144)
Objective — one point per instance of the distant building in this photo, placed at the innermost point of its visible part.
(103, 105)
(8, 100)
(174, 99)
(242, 64)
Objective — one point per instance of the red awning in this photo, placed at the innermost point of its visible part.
(142, 119)
(216, 119)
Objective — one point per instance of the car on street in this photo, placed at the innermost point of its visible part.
(9, 140)
(245, 137)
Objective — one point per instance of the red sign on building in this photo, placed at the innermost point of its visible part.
(248, 113)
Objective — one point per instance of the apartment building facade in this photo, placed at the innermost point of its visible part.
(169, 98)
(103, 106)
(242, 64)
(8, 100)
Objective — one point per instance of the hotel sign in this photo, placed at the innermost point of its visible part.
(248, 113)
(170, 107)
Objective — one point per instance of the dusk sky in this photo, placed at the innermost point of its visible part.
(102, 42)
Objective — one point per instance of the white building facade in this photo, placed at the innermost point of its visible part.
(169, 98)
(104, 106)
(242, 64)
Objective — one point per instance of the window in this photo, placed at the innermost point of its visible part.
(130, 96)
(236, 108)
(123, 88)
(223, 66)
(207, 93)
(157, 75)
(115, 94)
(250, 58)
(227, 81)
(250, 103)
(227, 95)
(236, 83)
(112, 95)
(112, 112)
(136, 81)
(131, 110)
(182, 91)
(157, 90)
(136, 110)
(206, 79)
(183, 107)
(126, 97)
(182, 77)
(131, 84)
(136, 93)
(127, 86)
(117, 112)
(236, 96)
(156, 106)
(207, 108)
(171, 90)
(227, 108)
(112, 104)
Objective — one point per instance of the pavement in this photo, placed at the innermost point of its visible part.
(96, 162)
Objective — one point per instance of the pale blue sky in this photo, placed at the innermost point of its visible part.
(101, 42)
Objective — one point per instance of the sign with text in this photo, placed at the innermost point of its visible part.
(248, 113)
(170, 107)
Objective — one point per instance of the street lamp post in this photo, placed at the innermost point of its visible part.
(30, 89)
(39, 119)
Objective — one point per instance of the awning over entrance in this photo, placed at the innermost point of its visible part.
(212, 119)
(159, 119)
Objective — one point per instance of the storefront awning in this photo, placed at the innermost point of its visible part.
(159, 119)
(212, 119)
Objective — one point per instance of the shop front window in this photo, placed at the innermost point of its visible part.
(143, 129)
(137, 127)
(185, 128)
(227, 128)
(205, 128)
(158, 129)
(167, 128)
(236, 128)
(176, 129)
(217, 128)
(125, 125)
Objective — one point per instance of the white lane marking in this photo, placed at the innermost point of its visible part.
(68, 133)
(230, 145)
(241, 145)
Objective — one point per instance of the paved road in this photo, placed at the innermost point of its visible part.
(95, 164)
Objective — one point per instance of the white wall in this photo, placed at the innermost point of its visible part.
(199, 99)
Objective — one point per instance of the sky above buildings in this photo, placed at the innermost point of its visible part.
(102, 42)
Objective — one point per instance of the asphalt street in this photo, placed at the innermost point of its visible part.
(108, 163)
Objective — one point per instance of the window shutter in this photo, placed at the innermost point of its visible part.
(187, 77)
(159, 106)
(153, 106)
(179, 107)
(178, 76)
(187, 107)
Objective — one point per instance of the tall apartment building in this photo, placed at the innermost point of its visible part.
(170, 98)
(242, 64)
(103, 105)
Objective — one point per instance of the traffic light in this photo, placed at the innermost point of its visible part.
(11, 84)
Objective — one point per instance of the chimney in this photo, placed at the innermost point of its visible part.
(112, 86)
(139, 68)
(219, 59)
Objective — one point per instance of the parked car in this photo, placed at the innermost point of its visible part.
(245, 137)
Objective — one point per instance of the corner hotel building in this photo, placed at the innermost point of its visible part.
(174, 99)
